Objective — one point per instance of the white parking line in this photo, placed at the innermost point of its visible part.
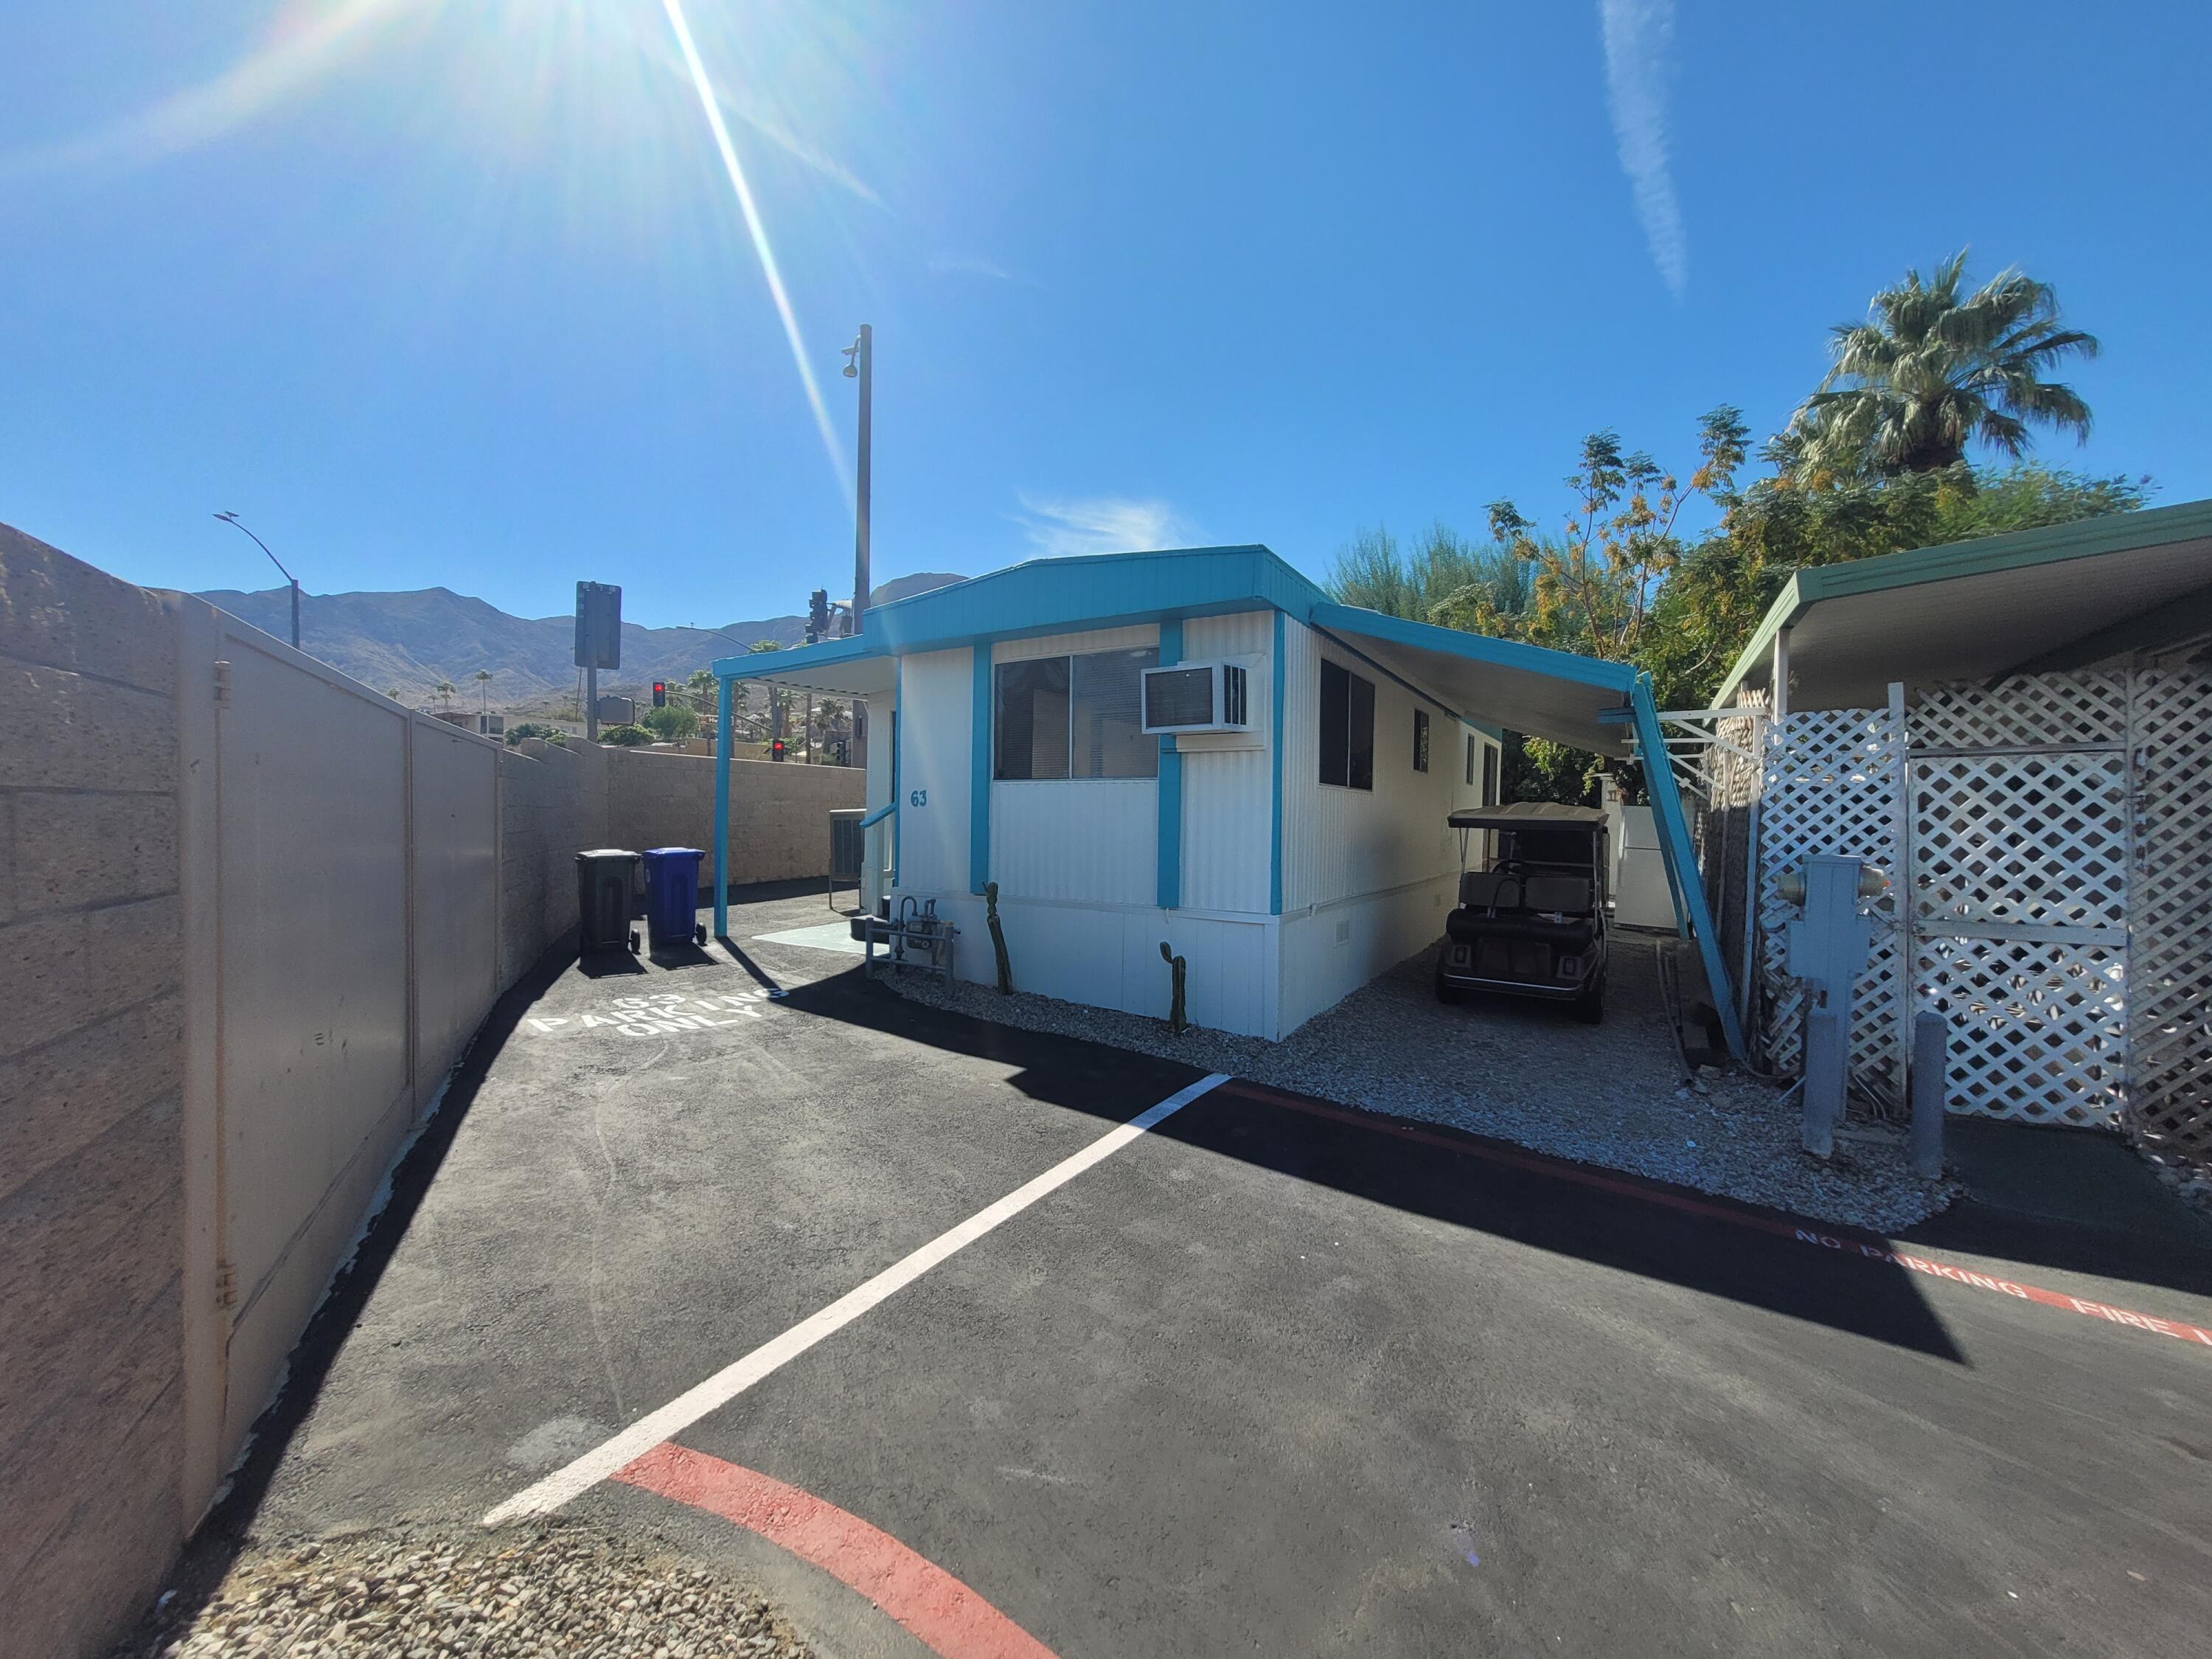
(563, 1485)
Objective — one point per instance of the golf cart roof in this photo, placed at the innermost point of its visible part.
(1523, 814)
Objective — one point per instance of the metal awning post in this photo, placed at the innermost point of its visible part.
(722, 738)
(1680, 860)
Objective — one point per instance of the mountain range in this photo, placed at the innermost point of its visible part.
(406, 643)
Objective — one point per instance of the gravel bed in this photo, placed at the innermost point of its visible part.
(555, 1591)
(1526, 1072)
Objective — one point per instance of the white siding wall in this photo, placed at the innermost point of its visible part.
(936, 738)
(1367, 874)
(1091, 839)
(1087, 840)
(1228, 795)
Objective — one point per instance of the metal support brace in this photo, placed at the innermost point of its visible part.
(722, 737)
(1681, 859)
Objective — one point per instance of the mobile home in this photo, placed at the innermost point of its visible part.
(1194, 747)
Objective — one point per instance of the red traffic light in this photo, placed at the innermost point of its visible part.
(660, 694)
(776, 749)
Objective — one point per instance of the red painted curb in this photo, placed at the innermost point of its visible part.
(1858, 1247)
(944, 1614)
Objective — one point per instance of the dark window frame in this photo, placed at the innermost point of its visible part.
(1141, 658)
(1420, 739)
(1345, 746)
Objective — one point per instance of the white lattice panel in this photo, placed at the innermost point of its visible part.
(2073, 803)
(2047, 711)
(2039, 839)
(2038, 1031)
(1828, 786)
(2170, 1024)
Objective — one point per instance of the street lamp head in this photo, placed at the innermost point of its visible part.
(852, 367)
(227, 517)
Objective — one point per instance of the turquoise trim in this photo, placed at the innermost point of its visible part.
(879, 815)
(1681, 861)
(1275, 833)
(1475, 647)
(1170, 869)
(721, 809)
(1056, 596)
(898, 735)
(979, 775)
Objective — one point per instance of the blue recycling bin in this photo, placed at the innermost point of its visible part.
(672, 893)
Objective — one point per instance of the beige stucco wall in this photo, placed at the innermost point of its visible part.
(90, 1073)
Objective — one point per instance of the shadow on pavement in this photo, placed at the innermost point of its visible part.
(2074, 1200)
(1710, 1255)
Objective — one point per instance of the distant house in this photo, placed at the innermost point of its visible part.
(484, 726)
(1197, 747)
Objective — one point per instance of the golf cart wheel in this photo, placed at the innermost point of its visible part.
(1590, 1006)
(633, 941)
(699, 934)
(1450, 995)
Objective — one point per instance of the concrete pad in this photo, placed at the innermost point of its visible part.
(828, 936)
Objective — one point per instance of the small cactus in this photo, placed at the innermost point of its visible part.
(1177, 1022)
(998, 938)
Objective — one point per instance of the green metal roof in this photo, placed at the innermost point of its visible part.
(1995, 577)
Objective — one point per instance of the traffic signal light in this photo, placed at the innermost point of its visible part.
(660, 694)
(817, 615)
(776, 749)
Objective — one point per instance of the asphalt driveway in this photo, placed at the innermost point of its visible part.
(1266, 1378)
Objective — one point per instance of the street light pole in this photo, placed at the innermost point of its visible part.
(233, 519)
(860, 365)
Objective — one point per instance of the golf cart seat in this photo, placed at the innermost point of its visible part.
(1559, 910)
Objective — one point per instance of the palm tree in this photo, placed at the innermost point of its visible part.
(445, 691)
(1929, 371)
(483, 678)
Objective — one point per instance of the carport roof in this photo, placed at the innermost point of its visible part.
(2062, 597)
(1546, 694)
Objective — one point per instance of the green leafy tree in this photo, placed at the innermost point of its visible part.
(671, 725)
(1592, 587)
(1932, 370)
(552, 734)
(701, 685)
(1711, 606)
(626, 737)
(1442, 567)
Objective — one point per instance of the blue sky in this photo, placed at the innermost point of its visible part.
(444, 292)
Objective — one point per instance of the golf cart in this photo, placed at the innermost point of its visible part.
(1532, 922)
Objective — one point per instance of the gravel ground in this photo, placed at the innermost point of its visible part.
(1526, 1072)
(552, 1591)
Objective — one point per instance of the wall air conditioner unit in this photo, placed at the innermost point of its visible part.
(1189, 698)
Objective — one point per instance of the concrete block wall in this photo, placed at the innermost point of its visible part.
(123, 1388)
(543, 821)
(779, 812)
(91, 1075)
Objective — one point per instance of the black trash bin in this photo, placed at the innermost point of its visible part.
(606, 880)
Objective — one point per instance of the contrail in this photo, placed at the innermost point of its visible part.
(1639, 37)
(712, 108)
